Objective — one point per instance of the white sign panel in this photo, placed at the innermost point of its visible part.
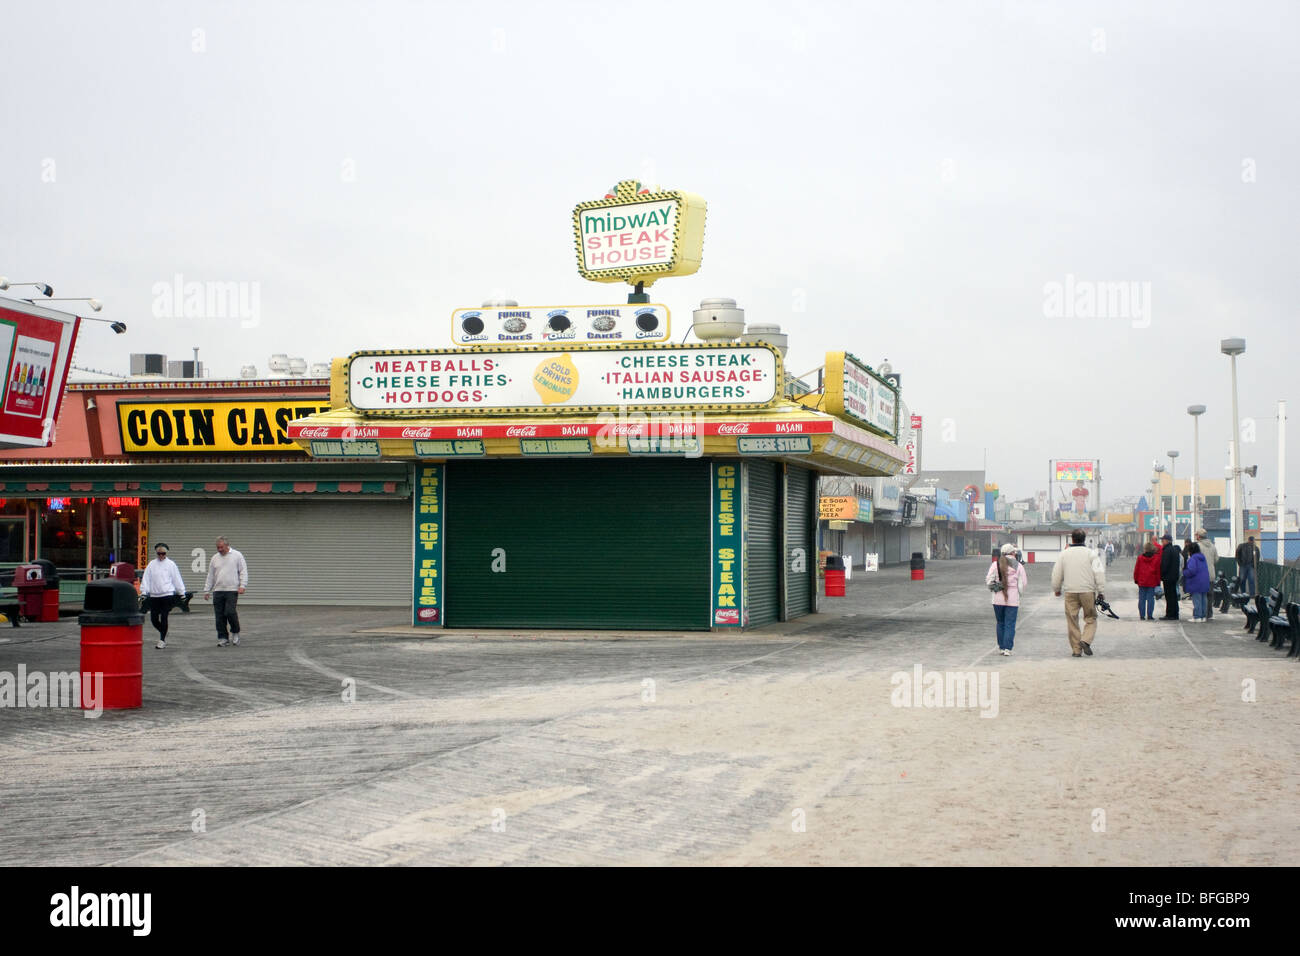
(636, 234)
(547, 381)
(541, 324)
(868, 398)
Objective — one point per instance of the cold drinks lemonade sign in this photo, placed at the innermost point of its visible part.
(635, 235)
(578, 378)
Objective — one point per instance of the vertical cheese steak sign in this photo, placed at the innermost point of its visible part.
(635, 235)
(576, 378)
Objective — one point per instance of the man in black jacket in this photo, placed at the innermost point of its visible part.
(1247, 562)
(1171, 566)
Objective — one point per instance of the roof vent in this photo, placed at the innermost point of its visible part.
(718, 320)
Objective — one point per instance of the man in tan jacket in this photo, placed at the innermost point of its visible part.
(1083, 579)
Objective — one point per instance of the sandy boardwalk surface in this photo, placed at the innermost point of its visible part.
(1175, 745)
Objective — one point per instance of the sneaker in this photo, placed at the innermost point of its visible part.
(1007, 652)
(1076, 655)
(223, 643)
(1086, 648)
(234, 639)
(161, 645)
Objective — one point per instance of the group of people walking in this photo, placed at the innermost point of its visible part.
(1080, 575)
(227, 578)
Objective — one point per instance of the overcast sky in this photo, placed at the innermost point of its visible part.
(901, 180)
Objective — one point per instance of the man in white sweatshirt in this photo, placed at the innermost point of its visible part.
(160, 585)
(227, 578)
(1083, 578)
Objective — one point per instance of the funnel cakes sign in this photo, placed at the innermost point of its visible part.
(574, 379)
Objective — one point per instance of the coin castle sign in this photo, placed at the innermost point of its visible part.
(636, 236)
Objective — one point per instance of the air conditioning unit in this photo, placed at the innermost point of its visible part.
(148, 363)
(186, 368)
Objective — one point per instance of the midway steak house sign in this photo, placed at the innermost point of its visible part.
(636, 235)
(546, 381)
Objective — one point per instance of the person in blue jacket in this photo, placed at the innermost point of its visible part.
(1196, 581)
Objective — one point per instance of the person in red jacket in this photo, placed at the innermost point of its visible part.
(1146, 575)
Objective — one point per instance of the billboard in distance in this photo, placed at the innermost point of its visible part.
(1074, 487)
(1075, 471)
(37, 344)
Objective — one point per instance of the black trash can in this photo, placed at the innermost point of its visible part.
(918, 566)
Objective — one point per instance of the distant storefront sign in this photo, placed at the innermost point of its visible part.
(579, 378)
(856, 391)
(838, 508)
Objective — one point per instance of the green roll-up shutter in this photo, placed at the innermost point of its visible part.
(762, 542)
(572, 543)
(800, 556)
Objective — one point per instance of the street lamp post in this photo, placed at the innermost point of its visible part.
(1232, 348)
(1173, 494)
(1155, 507)
(1196, 411)
(1160, 498)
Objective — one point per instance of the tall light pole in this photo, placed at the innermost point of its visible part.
(1281, 483)
(1173, 494)
(1232, 348)
(1196, 411)
(1155, 504)
(1160, 523)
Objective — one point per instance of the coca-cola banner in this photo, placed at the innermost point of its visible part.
(37, 343)
(607, 426)
(573, 379)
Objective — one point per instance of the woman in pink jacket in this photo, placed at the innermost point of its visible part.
(1007, 580)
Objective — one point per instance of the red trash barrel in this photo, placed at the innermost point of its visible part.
(918, 566)
(112, 645)
(50, 604)
(834, 576)
(834, 582)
